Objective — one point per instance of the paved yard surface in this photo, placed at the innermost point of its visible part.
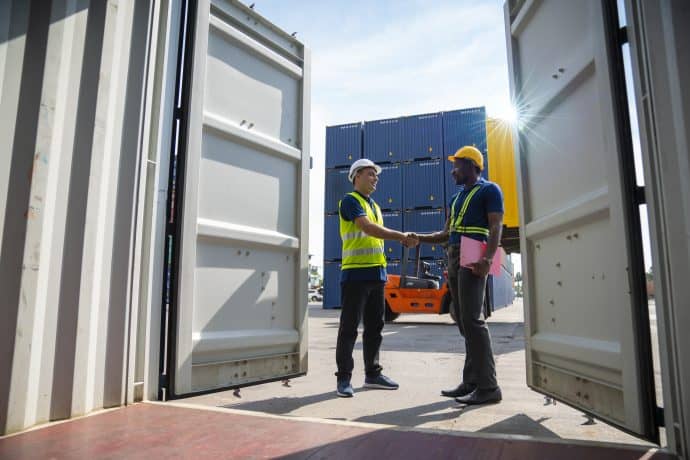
(423, 354)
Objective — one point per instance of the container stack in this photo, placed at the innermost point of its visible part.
(414, 186)
(461, 128)
(343, 147)
(423, 183)
(383, 144)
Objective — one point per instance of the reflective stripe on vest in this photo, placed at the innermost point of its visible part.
(455, 224)
(359, 249)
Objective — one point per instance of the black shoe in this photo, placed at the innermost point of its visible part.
(479, 396)
(461, 390)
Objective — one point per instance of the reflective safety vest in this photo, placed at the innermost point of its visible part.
(456, 222)
(359, 249)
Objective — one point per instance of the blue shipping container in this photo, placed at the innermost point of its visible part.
(423, 184)
(502, 290)
(331, 285)
(394, 221)
(332, 244)
(422, 137)
(501, 287)
(388, 192)
(464, 127)
(343, 144)
(383, 140)
(337, 185)
(426, 221)
(461, 128)
(451, 187)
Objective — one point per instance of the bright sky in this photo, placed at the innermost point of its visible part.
(381, 59)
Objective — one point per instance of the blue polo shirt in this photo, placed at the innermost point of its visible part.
(488, 198)
(350, 209)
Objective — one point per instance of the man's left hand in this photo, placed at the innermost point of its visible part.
(481, 267)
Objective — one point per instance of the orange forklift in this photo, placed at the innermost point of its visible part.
(421, 293)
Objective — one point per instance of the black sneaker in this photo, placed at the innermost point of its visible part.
(344, 389)
(381, 382)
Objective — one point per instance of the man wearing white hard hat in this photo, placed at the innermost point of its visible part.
(363, 278)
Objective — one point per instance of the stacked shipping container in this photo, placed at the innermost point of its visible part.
(414, 185)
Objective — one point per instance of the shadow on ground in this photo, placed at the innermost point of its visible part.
(523, 425)
(282, 405)
(446, 409)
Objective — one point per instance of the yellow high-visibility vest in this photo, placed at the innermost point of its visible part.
(456, 222)
(359, 249)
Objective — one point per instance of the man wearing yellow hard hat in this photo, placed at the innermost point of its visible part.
(476, 212)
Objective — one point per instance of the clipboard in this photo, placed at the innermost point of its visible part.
(472, 250)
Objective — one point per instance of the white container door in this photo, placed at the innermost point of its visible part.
(581, 256)
(242, 271)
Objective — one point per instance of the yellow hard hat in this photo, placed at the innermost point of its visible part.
(470, 153)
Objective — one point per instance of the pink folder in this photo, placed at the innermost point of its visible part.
(472, 250)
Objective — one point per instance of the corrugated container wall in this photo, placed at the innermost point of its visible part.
(389, 188)
(383, 140)
(331, 284)
(337, 185)
(423, 184)
(71, 89)
(394, 221)
(499, 142)
(343, 144)
(422, 137)
(501, 290)
(460, 128)
(332, 243)
(426, 221)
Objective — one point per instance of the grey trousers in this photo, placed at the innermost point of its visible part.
(467, 291)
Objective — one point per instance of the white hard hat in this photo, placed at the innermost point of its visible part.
(362, 163)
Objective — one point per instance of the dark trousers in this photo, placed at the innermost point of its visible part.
(360, 299)
(467, 291)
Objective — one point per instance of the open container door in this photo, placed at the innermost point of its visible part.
(238, 312)
(586, 318)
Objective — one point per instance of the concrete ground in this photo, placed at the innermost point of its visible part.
(424, 354)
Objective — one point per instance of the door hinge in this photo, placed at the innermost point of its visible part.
(623, 35)
(640, 197)
(659, 416)
(163, 387)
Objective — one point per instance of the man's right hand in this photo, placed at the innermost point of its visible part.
(411, 240)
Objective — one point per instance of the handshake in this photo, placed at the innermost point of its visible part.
(410, 239)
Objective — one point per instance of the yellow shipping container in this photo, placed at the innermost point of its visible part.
(499, 144)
